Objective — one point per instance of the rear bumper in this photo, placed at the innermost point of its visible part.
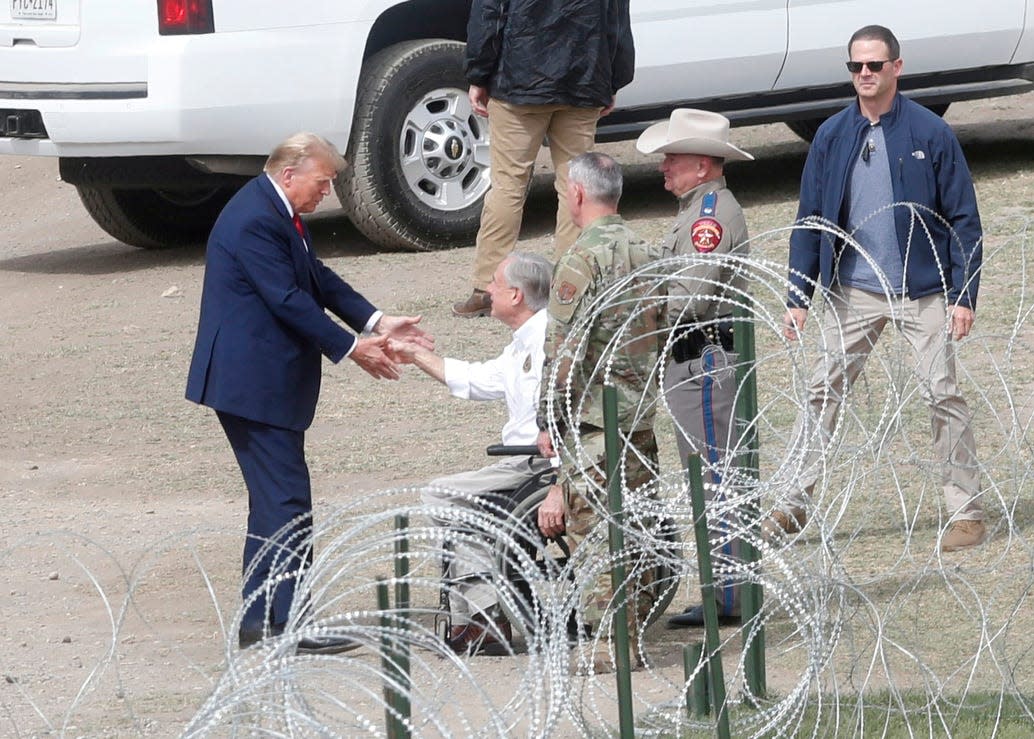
(222, 93)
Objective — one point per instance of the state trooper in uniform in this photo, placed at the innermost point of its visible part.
(700, 379)
(627, 335)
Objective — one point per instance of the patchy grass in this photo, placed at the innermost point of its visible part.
(903, 716)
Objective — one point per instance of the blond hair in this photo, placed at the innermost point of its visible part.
(298, 148)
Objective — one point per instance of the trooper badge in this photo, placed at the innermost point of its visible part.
(706, 234)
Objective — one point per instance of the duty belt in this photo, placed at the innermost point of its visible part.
(692, 342)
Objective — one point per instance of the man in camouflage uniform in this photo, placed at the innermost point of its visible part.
(700, 379)
(586, 350)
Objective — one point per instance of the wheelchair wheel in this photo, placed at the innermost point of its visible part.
(500, 504)
(549, 558)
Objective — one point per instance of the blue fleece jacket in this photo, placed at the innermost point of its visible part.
(940, 239)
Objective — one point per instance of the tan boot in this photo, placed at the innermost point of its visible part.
(600, 663)
(783, 523)
(478, 304)
(962, 535)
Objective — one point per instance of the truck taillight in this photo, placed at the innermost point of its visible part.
(185, 16)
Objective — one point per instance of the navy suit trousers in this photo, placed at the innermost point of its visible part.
(279, 542)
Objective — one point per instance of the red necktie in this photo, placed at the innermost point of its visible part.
(298, 226)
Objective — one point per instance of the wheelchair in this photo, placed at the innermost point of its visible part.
(527, 551)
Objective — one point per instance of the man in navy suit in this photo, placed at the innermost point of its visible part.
(257, 362)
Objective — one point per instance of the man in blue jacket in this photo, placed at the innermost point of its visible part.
(538, 69)
(257, 361)
(915, 264)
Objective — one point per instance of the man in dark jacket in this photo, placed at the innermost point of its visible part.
(261, 337)
(538, 68)
(915, 265)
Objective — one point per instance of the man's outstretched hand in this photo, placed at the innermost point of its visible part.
(404, 328)
(371, 353)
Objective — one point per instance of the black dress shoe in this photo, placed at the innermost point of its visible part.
(326, 645)
(250, 637)
(694, 616)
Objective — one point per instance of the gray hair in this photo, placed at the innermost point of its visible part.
(599, 175)
(531, 273)
(302, 146)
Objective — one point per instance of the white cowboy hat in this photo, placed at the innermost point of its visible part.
(690, 131)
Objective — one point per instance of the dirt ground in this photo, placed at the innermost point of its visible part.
(111, 483)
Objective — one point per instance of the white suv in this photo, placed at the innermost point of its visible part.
(158, 110)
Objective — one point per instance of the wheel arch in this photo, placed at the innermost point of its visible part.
(418, 19)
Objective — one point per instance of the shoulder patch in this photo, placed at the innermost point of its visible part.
(569, 285)
(565, 292)
(706, 234)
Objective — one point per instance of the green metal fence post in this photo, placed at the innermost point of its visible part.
(391, 721)
(623, 669)
(402, 622)
(751, 594)
(697, 691)
(711, 639)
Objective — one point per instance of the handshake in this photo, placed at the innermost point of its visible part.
(399, 342)
(396, 340)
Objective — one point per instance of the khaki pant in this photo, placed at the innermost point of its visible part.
(853, 321)
(517, 133)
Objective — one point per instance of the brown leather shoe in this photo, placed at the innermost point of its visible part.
(783, 523)
(477, 637)
(962, 535)
(478, 304)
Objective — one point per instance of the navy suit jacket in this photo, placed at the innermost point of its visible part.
(263, 327)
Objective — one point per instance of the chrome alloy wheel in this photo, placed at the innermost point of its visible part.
(443, 150)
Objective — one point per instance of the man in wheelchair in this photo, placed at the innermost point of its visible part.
(519, 292)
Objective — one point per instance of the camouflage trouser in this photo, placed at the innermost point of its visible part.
(585, 493)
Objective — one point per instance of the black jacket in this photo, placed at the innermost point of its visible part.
(543, 52)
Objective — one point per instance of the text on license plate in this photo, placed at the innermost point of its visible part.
(45, 9)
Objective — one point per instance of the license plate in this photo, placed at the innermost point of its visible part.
(34, 9)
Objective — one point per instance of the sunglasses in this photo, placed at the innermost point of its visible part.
(856, 67)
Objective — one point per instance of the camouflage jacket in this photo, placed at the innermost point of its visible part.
(588, 346)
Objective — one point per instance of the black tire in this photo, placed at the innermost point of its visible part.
(412, 106)
(807, 128)
(155, 219)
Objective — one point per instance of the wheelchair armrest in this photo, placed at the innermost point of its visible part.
(502, 450)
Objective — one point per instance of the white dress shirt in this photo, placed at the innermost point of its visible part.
(513, 376)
